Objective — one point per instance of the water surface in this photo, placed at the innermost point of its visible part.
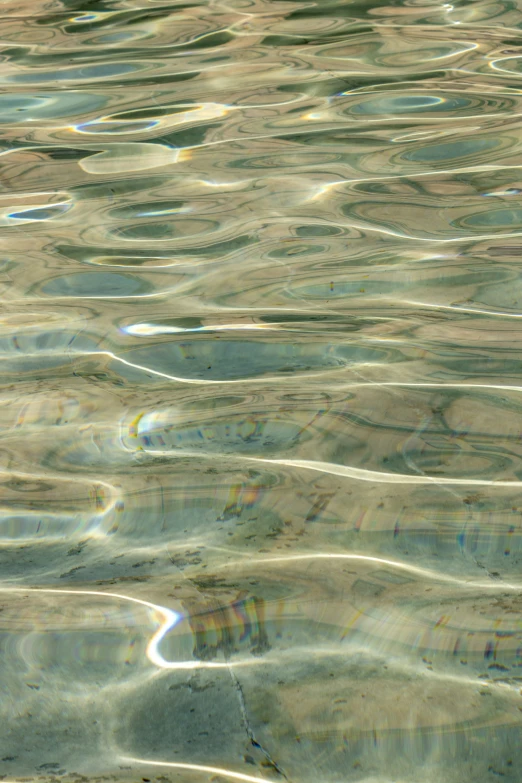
(261, 411)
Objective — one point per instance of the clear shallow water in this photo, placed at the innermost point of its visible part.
(261, 403)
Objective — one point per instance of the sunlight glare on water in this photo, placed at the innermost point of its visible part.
(261, 391)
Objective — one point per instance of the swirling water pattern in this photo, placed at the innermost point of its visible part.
(261, 391)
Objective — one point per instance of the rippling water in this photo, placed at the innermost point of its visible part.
(261, 403)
